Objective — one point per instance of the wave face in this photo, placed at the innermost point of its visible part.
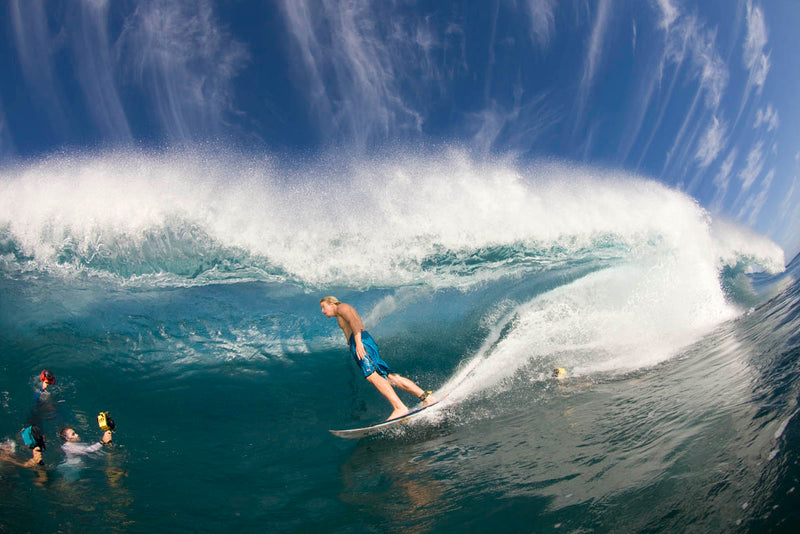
(143, 279)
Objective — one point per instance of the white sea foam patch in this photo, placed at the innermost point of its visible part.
(620, 319)
(616, 320)
(353, 223)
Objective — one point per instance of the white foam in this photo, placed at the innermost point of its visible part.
(360, 224)
(783, 425)
(734, 243)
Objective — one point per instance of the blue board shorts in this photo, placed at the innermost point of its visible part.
(372, 362)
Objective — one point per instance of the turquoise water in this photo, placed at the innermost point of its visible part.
(181, 294)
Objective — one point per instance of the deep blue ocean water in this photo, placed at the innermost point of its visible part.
(180, 292)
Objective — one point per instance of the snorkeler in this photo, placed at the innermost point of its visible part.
(44, 410)
(47, 379)
(365, 353)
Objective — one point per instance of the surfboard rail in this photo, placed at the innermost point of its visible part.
(356, 433)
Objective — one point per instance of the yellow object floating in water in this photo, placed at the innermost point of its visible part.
(559, 372)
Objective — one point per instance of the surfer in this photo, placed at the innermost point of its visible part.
(365, 353)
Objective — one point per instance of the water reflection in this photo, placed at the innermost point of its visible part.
(382, 481)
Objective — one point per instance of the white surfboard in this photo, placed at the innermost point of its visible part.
(356, 433)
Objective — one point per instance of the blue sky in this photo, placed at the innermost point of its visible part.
(702, 96)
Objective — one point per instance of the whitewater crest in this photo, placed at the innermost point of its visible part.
(442, 221)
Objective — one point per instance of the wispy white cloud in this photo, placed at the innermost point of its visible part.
(711, 73)
(35, 50)
(593, 56)
(300, 25)
(34, 45)
(789, 202)
(454, 40)
(521, 126)
(356, 61)
(687, 43)
(96, 68)
(754, 165)
(711, 143)
(709, 66)
(7, 148)
(755, 59)
(179, 53)
(492, 59)
(488, 125)
(642, 104)
(678, 38)
(722, 180)
(767, 117)
(668, 13)
(755, 202)
(543, 21)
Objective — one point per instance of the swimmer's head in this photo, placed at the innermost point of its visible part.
(559, 373)
(68, 434)
(8, 447)
(47, 377)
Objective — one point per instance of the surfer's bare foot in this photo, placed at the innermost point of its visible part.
(430, 399)
(398, 413)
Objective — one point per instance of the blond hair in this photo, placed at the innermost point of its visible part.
(329, 300)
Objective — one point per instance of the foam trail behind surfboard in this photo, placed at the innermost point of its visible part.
(458, 386)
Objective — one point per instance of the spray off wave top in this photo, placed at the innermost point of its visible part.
(444, 220)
